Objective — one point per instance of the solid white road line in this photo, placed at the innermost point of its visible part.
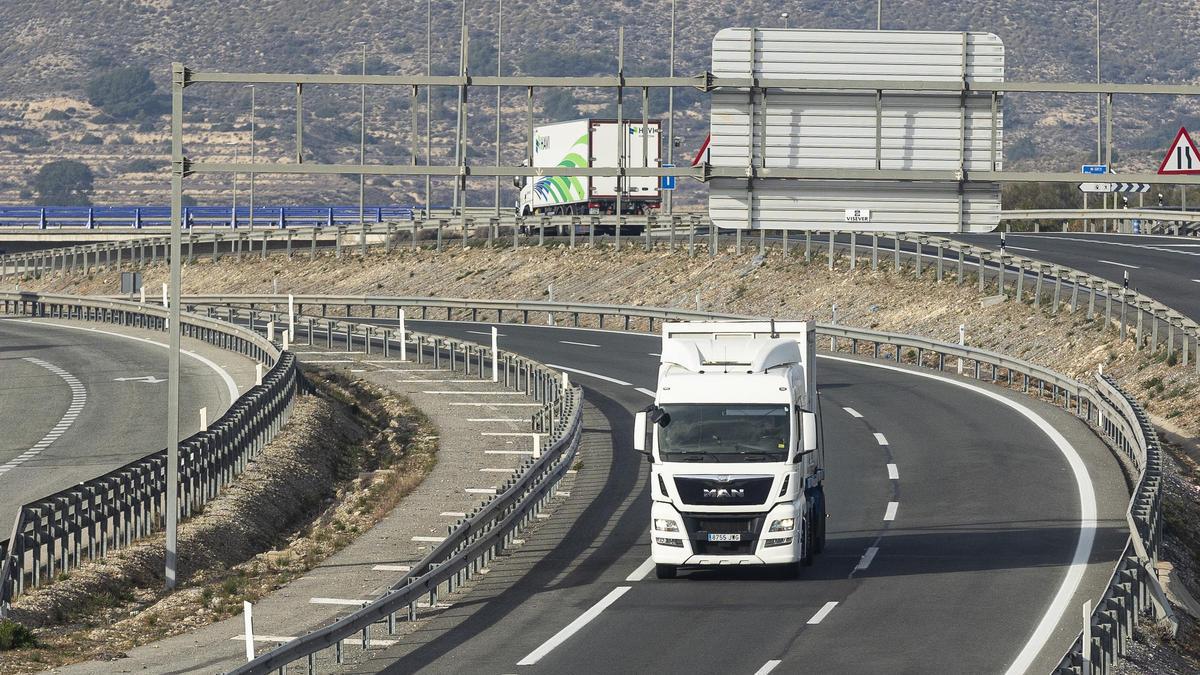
(1196, 280)
(890, 514)
(573, 627)
(1087, 511)
(881, 439)
(508, 452)
(453, 514)
(641, 571)
(822, 613)
(590, 374)
(644, 391)
(768, 667)
(392, 568)
(429, 540)
(1021, 248)
(480, 491)
(579, 344)
(527, 405)
(491, 470)
(477, 393)
(496, 419)
(893, 472)
(852, 412)
(230, 386)
(512, 433)
(337, 601)
(487, 333)
(1109, 262)
(867, 558)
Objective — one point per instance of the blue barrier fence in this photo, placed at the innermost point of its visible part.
(92, 217)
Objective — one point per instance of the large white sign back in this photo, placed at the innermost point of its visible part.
(856, 130)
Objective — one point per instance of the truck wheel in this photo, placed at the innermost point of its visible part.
(665, 571)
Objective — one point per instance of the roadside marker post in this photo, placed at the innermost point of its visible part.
(204, 419)
(495, 356)
(962, 341)
(248, 614)
(291, 318)
(403, 338)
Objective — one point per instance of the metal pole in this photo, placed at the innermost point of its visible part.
(172, 540)
(253, 152)
(879, 15)
(671, 108)
(233, 217)
(362, 156)
(462, 95)
(499, 27)
(428, 101)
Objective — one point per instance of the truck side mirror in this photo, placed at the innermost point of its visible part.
(639, 431)
(809, 431)
(518, 181)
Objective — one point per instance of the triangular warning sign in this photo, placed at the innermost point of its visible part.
(1183, 158)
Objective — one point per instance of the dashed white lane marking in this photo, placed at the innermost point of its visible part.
(641, 571)
(768, 667)
(337, 601)
(822, 613)
(496, 419)
(579, 344)
(512, 433)
(893, 472)
(1196, 280)
(429, 540)
(890, 514)
(867, 558)
(590, 374)
(1087, 507)
(508, 452)
(655, 354)
(453, 514)
(487, 333)
(491, 470)
(1021, 248)
(573, 627)
(78, 400)
(644, 391)
(881, 439)
(392, 568)
(480, 491)
(852, 412)
(1109, 262)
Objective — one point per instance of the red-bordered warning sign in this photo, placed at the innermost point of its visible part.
(1183, 158)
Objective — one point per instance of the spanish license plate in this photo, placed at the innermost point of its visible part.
(724, 537)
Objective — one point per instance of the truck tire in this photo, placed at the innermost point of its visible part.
(665, 571)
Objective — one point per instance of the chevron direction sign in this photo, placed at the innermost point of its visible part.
(1114, 187)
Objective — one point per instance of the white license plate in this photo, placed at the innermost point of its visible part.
(724, 537)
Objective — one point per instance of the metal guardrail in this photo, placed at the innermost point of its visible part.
(1110, 412)
(92, 217)
(55, 534)
(473, 541)
(1152, 324)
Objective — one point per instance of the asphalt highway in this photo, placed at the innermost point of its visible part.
(956, 525)
(66, 416)
(1163, 267)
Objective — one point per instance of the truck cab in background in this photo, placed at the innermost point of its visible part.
(734, 441)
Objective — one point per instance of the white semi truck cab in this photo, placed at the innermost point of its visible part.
(735, 447)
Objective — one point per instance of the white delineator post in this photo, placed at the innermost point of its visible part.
(550, 291)
(1087, 638)
(537, 446)
(832, 339)
(495, 356)
(285, 340)
(291, 318)
(258, 373)
(403, 339)
(962, 341)
(143, 292)
(204, 419)
(271, 331)
(248, 615)
(165, 296)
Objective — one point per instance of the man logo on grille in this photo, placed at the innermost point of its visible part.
(724, 493)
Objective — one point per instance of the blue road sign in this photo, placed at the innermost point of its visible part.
(1095, 169)
(667, 182)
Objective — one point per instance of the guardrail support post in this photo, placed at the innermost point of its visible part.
(853, 250)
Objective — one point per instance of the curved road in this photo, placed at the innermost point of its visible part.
(956, 576)
(64, 415)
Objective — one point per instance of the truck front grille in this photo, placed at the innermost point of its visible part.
(699, 527)
(732, 491)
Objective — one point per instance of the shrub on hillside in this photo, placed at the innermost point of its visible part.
(126, 93)
(15, 636)
(65, 182)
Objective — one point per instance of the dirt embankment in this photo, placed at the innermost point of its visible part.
(344, 459)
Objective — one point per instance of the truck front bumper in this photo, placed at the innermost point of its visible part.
(690, 545)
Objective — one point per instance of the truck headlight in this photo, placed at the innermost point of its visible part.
(783, 525)
(666, 525)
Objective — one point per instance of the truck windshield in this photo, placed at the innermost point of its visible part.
(725, 432)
